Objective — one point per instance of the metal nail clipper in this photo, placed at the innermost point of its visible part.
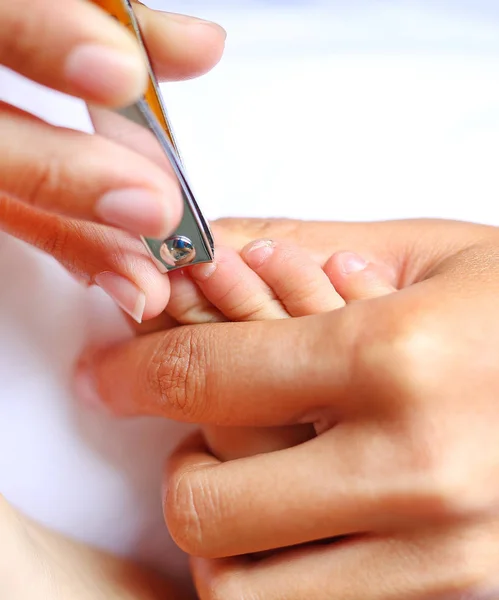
(145, 127)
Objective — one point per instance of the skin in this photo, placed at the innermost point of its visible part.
(51, 183)
(52, 180)
(402, 390)
(397, 467)
(38, 564)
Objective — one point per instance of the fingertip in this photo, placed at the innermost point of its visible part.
(256, 253)
(157, 289)
(182, 47)
(357, 279)
(105, 75)
(223, 256)
(350, 263)
(188, 305)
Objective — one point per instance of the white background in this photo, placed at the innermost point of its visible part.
(339, 110)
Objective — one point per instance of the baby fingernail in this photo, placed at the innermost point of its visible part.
(256, 254)
(109, 74)
(136, 210)
(351, 263)
(124, 292)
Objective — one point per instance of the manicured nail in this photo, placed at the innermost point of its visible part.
(125, 293)
(135, 210)
(203, 272)
(256, 254)
(106, 73)
(351, 263)
(85, 388)
(188, 21)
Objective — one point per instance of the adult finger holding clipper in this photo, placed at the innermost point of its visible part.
(66, 191)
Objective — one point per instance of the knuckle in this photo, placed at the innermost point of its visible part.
(306, 297)
(402, 355)
(20, 36)
(43, 184)
(442, 484)
(177, 374)
(252, 309)
(190, 506)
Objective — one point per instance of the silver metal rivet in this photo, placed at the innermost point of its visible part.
(178, 251)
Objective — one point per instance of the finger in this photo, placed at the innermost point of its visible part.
(160, 323)
(205, 500)
(188, 305)
(85, 176)
(230, 443)
(350, 481)
(182, 373)
(237, 291)
(181, 47)
(409, 247)
(297, 281)
(77, 50)
(111, 258)
(356, 279)
(438, 564)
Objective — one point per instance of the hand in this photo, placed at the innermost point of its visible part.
(37, 564)
(62, 190)
(404, 388)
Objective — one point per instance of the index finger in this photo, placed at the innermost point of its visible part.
(256, 373)
(80, 50)
(76, 49)
(181, 46)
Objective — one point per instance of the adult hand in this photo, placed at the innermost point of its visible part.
(61, 190)
(407, 468)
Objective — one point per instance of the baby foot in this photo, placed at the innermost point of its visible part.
(268, 280)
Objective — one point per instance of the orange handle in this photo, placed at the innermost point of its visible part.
(122, 11)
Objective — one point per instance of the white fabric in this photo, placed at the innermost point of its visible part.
(336, 110)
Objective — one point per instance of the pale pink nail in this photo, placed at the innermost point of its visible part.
(351, 263)
(125, 293)
(135, 210)
(259, 252)
(104, 72)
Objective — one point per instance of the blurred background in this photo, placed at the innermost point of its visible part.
(339, 109)
(358, 109)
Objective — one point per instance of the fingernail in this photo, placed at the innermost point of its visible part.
(190, 21)
(203, 272)
(258, 253)
(136, 210)
(125, 293)
(351, 263)
(106, 73)
(85, 388)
